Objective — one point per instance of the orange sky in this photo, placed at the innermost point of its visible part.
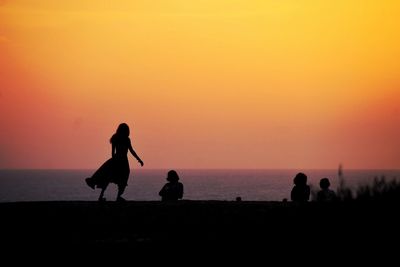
(203, 84)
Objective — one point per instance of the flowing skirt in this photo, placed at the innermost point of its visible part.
(114, 170)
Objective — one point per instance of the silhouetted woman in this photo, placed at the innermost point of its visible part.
(116, 169)
(300, 191)
(173, 190)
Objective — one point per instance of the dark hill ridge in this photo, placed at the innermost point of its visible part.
(204, 226)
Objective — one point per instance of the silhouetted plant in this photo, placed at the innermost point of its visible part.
(380, 190)
(343, 192)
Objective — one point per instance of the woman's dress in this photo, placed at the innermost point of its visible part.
(114, 170)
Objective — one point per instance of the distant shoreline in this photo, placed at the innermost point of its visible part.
(205, 169)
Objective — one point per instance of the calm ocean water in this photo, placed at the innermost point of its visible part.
(271, 185)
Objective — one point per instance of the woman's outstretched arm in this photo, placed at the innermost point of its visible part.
(135, 155)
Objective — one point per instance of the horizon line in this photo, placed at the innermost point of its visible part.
(185, 168)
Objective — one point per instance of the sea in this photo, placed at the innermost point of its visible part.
(144, 184)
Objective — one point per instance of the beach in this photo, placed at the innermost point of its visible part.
(210, 227)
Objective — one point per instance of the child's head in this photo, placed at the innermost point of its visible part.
(172, 176)
(300, 179)
(324, 183)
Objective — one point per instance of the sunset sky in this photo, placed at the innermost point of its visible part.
(202, 83)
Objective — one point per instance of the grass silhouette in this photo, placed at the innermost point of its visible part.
(380, 190)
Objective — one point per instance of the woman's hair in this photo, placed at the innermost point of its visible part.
(300, 179)
(172, 176)
(122, 132)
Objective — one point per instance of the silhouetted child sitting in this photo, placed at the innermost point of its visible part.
(325, 194)
(301, 191)
(173, 190)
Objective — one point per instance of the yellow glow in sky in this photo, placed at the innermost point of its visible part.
(203, 84)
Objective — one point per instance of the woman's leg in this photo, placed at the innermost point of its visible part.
(121, 190)
(101, 197)
(123, 181)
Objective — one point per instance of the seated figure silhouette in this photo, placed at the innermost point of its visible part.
(325, 194)
(300, 191)
(173, 190)
(116, 169)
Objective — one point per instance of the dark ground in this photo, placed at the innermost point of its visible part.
(202, 230)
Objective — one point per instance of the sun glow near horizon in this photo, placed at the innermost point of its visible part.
(203, 84)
